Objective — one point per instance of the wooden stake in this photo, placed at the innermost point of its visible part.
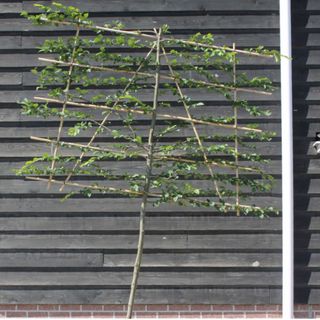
(106, 118)
(152, 37)
(236, 139)
(167, 116)
(205, 157)
(156, 157)
(150, 75)
(149, 165)
(94, 187)
(64, 105)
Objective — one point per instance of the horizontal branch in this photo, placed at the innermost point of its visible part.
(153, 37)
(126, 191)
(157, 158)
(94, 187)
(167, 116)
(145, 74)
(79, 145)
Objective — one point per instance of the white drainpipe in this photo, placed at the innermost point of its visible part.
(287, 160)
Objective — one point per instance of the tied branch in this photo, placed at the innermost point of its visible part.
(147, 182)
(105, 119)
(66, 93)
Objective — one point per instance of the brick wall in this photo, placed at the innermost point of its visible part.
(154, 311)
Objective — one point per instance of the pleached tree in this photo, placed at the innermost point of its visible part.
(194, 155)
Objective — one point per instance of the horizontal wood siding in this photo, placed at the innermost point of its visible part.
(306, 27)
(82, 251)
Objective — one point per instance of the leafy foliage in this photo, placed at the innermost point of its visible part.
(201, 158)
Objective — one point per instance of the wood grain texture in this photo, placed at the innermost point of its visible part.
(81, 251)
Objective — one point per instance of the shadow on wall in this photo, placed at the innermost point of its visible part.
(301, 128)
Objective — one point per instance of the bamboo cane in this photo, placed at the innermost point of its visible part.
(105, 119)
(205, 157)
(150, 36)
(156, 157)
(236, 139)
(145, 74)
(64, 105)
(167, 116)
(94, 187)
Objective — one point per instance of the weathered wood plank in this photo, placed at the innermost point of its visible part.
(201, 260)
(30, 60)
(30, 79)
(151, 279)
(253, 242)
(10, 78)
(227, 22)
(307, 5)
(12, 115)
(242, 40)
(33, 187)
(10, 42)
(11, 7)
(50, 260)
(274, 167)
(187, 223)
(67, 226)
(313, 239)
(145, 296)
(26, 149)
(26, 132)
(13, 96)
(112, 205)
(200, 6)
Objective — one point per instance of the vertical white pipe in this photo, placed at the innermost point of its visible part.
(287, 160)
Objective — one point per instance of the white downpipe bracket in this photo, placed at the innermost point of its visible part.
(287, 160)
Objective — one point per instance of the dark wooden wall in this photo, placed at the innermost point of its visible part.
(306, 71)
(82, 250)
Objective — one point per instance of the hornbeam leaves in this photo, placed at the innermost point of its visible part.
(106, 115)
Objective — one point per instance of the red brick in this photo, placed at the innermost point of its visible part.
(8, 307)
(81, 314)
(102, 314)
(233, 315)
(69, 307)
(301, 314)
(2, 314)
(274, 315)
(201, 307)
(211, 314)
(222, 307)
(244, 307)
(114, 307)
(137, 307)
(92, 307)
(315, 306)
(145, 314)
(59, 314)
(120, 314)
(16, 314)
(157, 307)
(301, 307)
(27, 307)
(267, 307)
(48, 307)
(190, 314)
(168, 315)
(256, 315)
(35, 314)
(177, 307)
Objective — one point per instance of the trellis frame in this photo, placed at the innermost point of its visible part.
(116, 108)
